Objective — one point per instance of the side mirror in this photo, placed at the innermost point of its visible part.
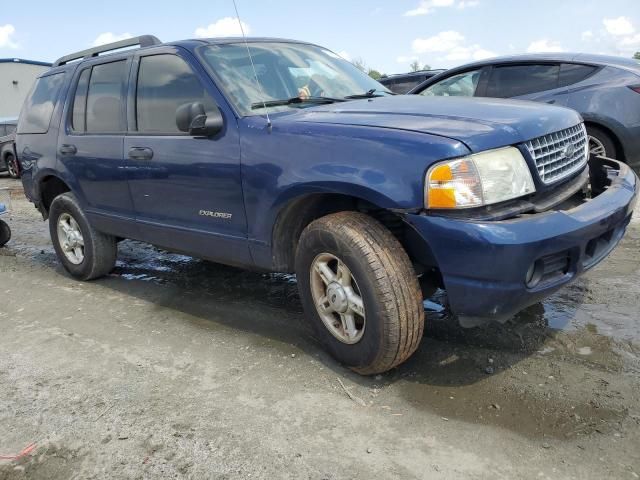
(192, 118)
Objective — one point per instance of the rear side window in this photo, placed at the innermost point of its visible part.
(571, 73)
(105, 98)
(11, 129)
(38, 108)
(515, 80)
(3, 130)
(78, 119)
(165, 82)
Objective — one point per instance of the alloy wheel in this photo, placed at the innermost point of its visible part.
(70, 239)
(596, 147)
(337, 298)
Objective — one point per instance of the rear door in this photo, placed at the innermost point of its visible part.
(91, 141)
(187, 191)
(538, 82)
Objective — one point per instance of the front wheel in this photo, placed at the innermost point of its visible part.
(360, 292)
(12, 166)
(84, 252)
(600, 143)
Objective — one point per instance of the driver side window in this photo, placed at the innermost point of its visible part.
(165, 82)
(461, 85)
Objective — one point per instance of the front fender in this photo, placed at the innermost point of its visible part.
(383, 166)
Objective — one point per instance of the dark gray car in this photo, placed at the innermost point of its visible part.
(604, 90)
(8, 162)
(403, 82)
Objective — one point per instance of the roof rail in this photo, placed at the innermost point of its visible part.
(142, 41)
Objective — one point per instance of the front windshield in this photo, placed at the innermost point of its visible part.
(285, 70)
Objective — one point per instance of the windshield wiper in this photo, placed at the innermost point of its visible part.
(294, 100)
(368, 94)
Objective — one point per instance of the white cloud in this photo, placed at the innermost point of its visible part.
(467, 4)
(442, 42)
(618, 26)
(6, 32)
(587, 35)
(427, 6)
(544, 45)
(448, 47)
(225, 27)
(109, 37)
(346, 55)
(631, 41)
(482, 54)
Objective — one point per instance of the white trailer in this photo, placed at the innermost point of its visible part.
(16, 78)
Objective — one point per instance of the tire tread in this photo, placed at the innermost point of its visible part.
(395, 281)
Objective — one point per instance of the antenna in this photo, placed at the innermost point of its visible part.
(255, 73)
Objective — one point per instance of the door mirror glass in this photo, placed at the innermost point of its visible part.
(191, 118)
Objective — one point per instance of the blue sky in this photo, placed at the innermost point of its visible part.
(387, 35)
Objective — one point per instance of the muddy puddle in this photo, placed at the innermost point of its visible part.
(569, 323)
(562, 324)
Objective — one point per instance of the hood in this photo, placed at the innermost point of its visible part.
(480, 123)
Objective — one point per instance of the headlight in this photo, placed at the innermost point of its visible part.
(480, 179)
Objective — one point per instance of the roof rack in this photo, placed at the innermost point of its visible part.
(142, 41)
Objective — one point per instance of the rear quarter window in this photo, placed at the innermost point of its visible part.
(39, 105)
(571, 73)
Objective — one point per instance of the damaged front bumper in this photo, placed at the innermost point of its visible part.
(493, 269)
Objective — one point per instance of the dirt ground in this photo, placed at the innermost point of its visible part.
(177, 368)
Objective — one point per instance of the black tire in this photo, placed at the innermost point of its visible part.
(12, 166)
(387, 284)
(5, 233)
(602, 141)
(100, 250)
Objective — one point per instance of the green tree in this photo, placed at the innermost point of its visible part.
(415, 66)
(636, 56)
(359, 64)
(375, 74)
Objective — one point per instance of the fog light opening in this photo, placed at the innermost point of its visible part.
(534, 274)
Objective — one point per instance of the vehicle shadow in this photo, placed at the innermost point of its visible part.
(454, 373)
(268, 305)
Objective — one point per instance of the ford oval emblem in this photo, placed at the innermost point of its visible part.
(569, 150)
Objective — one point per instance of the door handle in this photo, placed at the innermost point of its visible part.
(140, 153)
(67, 149)
(551, 101)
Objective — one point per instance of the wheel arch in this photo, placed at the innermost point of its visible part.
(49, 187)
(300, 210)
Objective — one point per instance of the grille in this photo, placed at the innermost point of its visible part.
(559, 154)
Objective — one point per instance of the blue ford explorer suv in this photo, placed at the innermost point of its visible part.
(292, 160)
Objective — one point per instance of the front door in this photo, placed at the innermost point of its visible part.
(186, 191)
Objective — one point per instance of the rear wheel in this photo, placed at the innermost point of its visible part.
(360, 292)
(5, 233)
(600, 143)
(12, 166)
(84, 252)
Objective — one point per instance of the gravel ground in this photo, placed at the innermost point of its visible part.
(177, 368)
